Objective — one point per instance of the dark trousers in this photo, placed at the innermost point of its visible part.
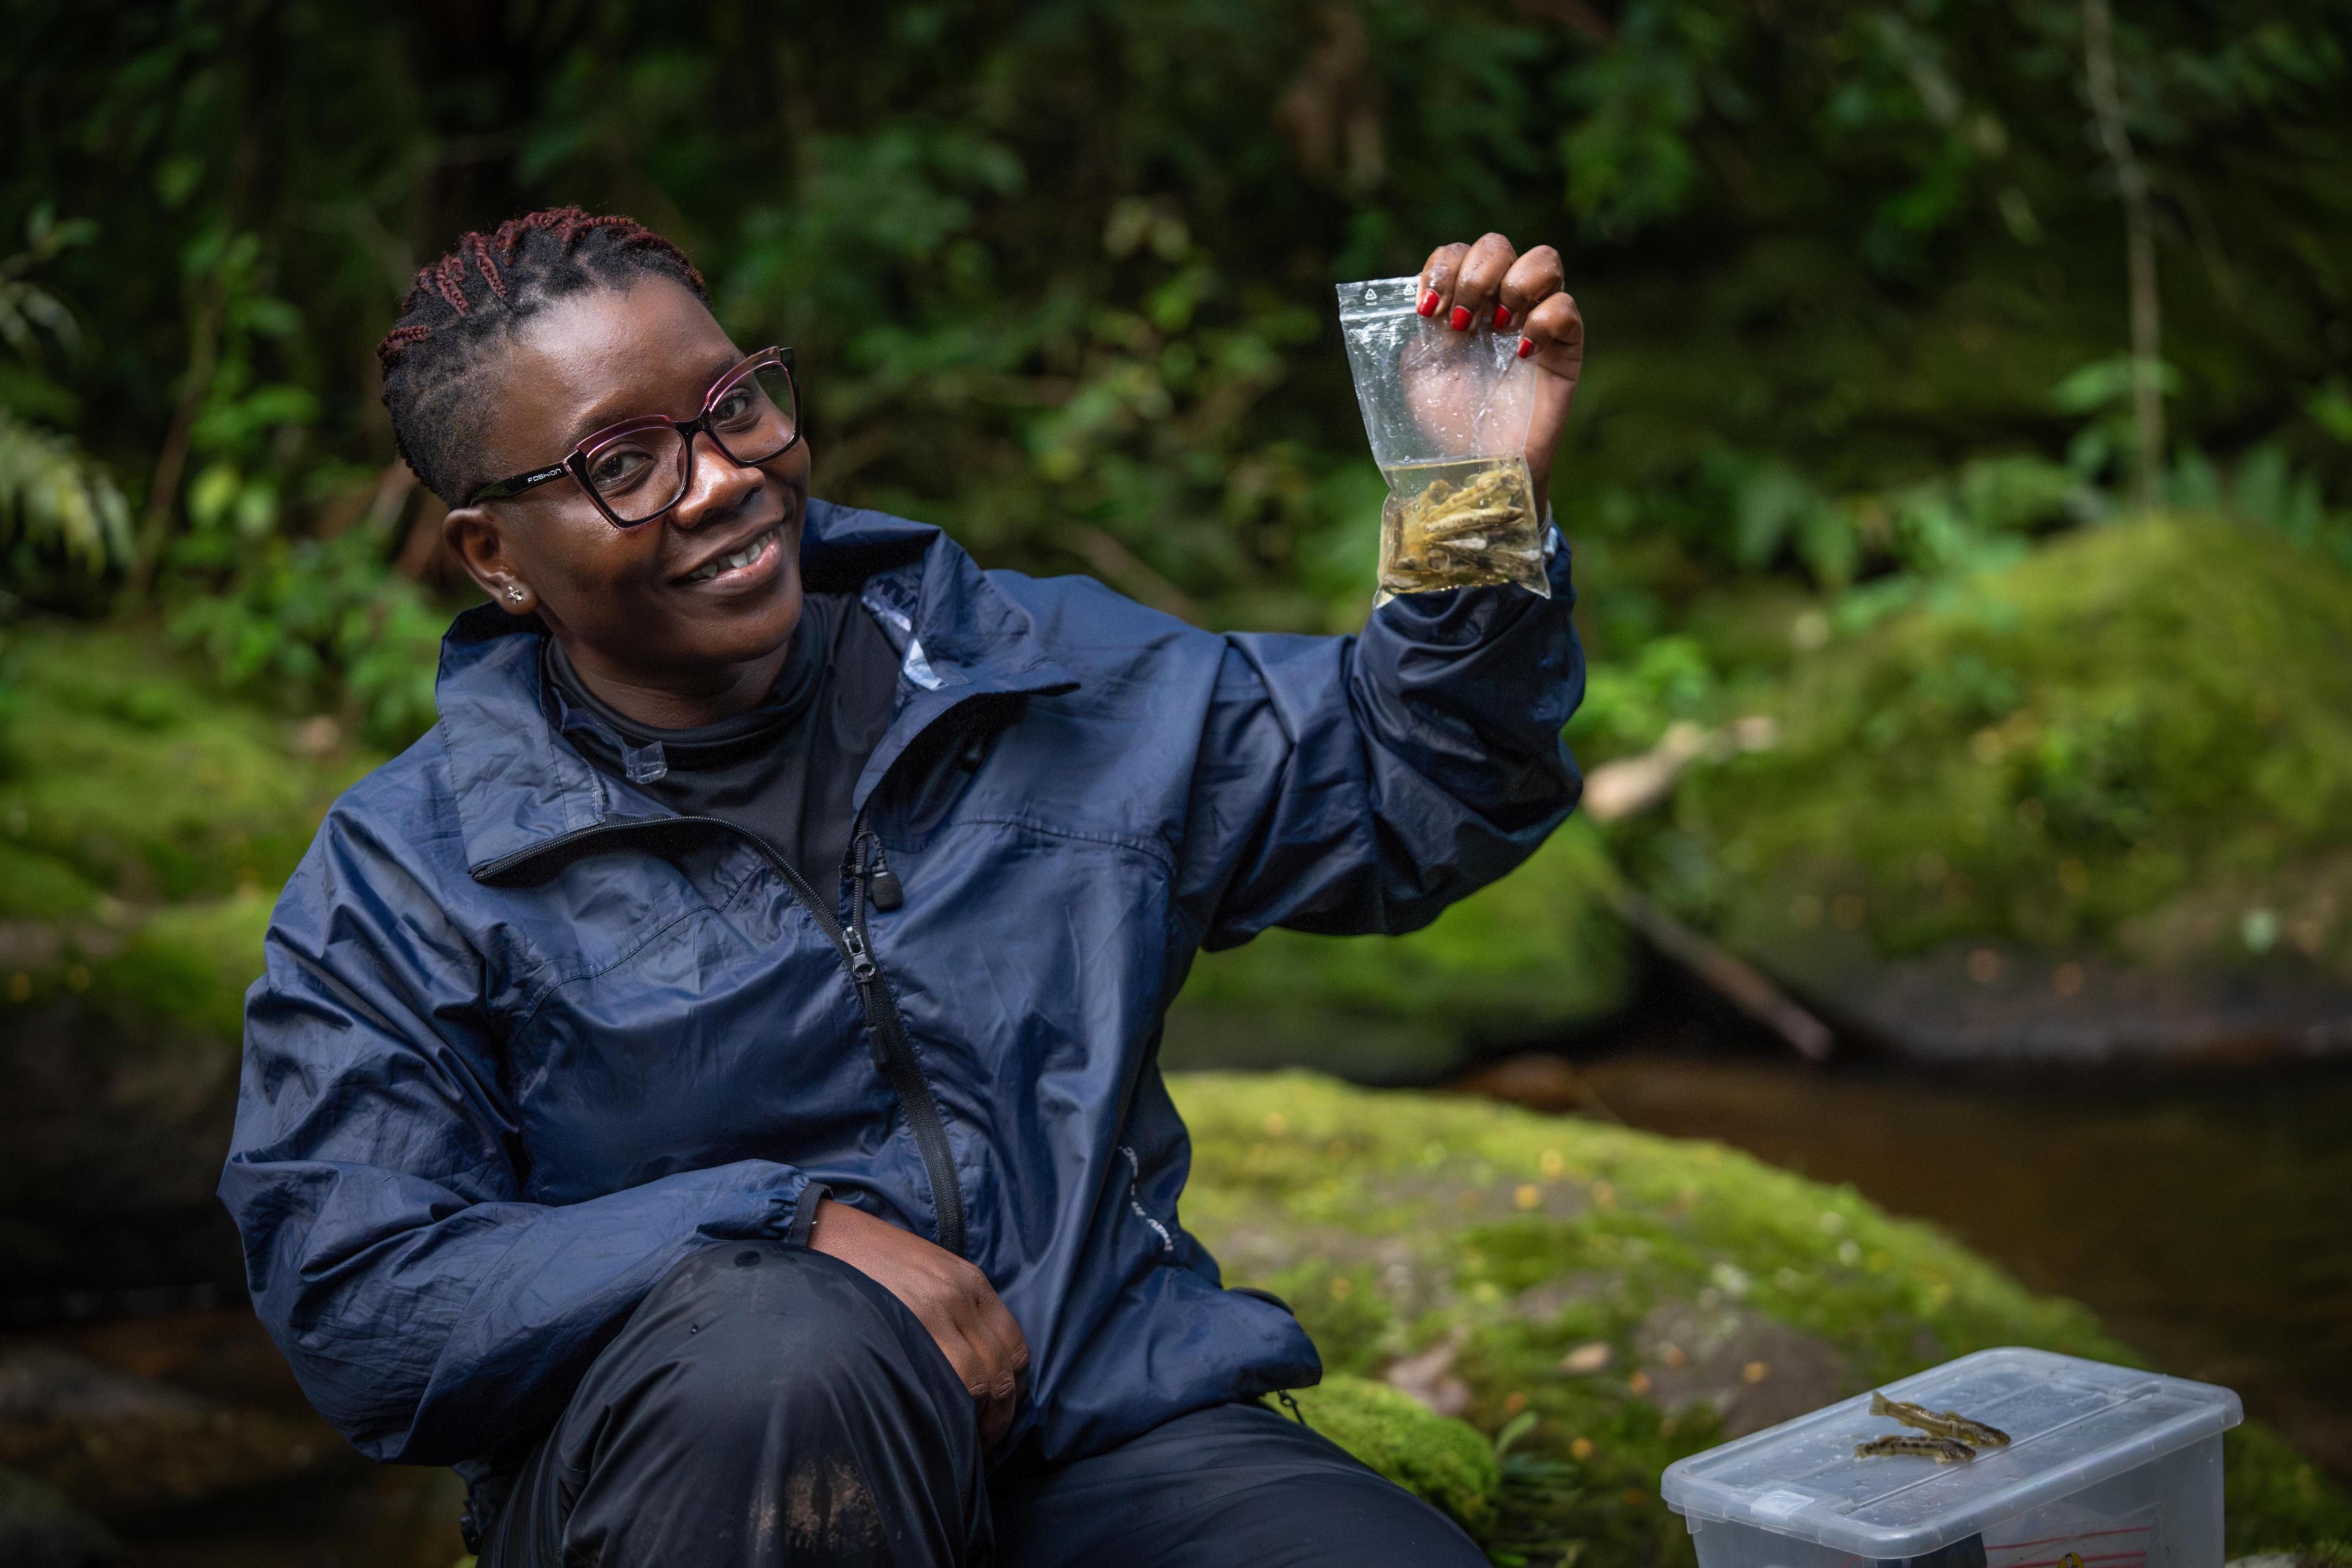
(768, 1405)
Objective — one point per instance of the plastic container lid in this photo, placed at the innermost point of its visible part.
(2072, 1424)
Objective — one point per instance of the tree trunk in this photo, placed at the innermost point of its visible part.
(2140, 251)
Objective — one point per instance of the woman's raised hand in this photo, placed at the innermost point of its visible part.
(1490, 284)
(951, 1298)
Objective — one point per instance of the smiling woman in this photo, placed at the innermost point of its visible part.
(579, 356)
(708, 1088)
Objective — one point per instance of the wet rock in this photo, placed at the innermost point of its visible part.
(39, 1529)
(1981, 1003)
(117, 1444)
(1749, 1371)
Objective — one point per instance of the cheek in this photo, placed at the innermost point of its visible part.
(588, 552)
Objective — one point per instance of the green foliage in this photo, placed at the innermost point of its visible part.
(304, 612)
(1397, 1224)
(52, 496)
(1063, 283)
(1629, 703)
(54, 500)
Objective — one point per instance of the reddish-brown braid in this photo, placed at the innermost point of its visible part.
(488, 283)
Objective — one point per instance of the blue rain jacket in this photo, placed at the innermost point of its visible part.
(526, 1036)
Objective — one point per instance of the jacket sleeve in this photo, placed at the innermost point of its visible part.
(1359, 784)
(428, 1311)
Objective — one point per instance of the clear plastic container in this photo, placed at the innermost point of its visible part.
(2105, 1467)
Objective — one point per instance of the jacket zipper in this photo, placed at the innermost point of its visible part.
(894, 1054)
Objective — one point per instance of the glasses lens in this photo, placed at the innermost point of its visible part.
(638, 475)
(756, 417)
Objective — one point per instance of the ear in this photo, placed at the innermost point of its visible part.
(475, 539)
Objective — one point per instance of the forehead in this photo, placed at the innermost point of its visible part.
(603, 354)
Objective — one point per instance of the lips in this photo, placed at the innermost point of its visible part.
(746, 554)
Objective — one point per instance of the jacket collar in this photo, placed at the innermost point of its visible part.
(520, 785)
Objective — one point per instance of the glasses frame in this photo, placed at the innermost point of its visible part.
(575, 462)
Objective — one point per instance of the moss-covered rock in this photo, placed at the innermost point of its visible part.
(1449, 1462)
(2100, 798)
(1537, 953)
(1611, 1299)
(125, 776)
(145, 826)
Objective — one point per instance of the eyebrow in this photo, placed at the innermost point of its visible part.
(614, 408)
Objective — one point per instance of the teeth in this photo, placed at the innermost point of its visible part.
(744, 557)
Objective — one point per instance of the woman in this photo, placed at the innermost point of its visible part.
(705, 1089)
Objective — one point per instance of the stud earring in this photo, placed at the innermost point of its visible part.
(514, 592)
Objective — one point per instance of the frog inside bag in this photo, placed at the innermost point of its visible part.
(1446, 414)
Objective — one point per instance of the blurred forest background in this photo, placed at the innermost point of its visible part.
(1061, 276)
(1961, 485)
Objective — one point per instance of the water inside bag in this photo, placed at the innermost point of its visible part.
(1459, 524)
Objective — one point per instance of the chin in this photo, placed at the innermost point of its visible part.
(750, 630)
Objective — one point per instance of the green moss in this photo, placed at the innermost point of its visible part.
(1537, 952)
(189, 966)
(145, 823)
(2044, 755)
(126, 774)
(2278, 1500)
(1399, 1224)
(1433, 1456)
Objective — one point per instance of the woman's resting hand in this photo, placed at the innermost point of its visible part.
(1463, 284)
(952, 1299)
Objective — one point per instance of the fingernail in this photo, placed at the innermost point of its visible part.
(1502, 317)
(1460, 319)
(1527, 347)
(1428, 306)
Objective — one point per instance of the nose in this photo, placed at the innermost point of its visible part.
(717, 487)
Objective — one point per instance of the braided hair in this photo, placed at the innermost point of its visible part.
(477, 296)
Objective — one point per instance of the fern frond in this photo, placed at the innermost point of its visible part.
(56, 496)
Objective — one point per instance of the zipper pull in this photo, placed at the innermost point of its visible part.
(862, 967)
(882, 883)
(863, 973)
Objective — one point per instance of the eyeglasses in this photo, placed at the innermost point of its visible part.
(639, 468)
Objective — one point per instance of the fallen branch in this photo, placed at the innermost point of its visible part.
(1733, 978)
(1631, 785)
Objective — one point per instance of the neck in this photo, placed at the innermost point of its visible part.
(667, 700)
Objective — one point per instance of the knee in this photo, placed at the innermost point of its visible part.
(749, 1332)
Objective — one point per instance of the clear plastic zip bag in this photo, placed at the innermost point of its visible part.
(1448, 414)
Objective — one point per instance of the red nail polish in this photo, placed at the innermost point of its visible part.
(1527, 347)
(1502, 317)
(1460, 319)
(1428, 306)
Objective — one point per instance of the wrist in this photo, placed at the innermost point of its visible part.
(805, 1213)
